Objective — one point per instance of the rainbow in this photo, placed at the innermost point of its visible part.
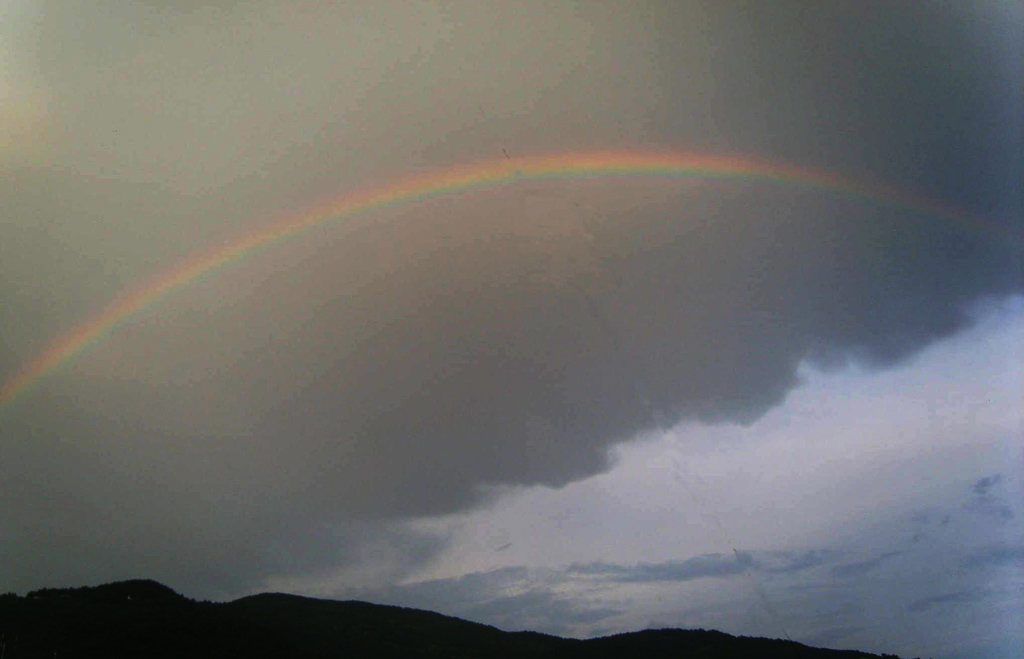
(452, 181)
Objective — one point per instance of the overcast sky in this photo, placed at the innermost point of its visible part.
(576, 406)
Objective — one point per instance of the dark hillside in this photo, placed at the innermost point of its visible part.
(139, 590)
(703, 644)
(327, 626)
(148, 619)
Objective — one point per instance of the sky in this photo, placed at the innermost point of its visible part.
(575, 317)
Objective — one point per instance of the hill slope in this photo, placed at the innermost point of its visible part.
(147, 619)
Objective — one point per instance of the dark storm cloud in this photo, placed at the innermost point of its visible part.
(276, 417)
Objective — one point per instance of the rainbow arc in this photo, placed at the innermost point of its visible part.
(455, 180)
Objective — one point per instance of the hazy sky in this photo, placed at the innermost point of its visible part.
(582, 406)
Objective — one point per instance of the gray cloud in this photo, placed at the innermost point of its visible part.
(707, 565)
(831, 637)
(510, 598)
(541, 611)
(986, 500)
(789, 562)
(698, 567)
(995, 556)
(957, 597)
(983, 486)
(283, 415)
(858, 568)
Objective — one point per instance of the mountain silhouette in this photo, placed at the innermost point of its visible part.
(144, 618)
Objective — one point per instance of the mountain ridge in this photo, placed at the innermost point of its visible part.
(142, 617)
